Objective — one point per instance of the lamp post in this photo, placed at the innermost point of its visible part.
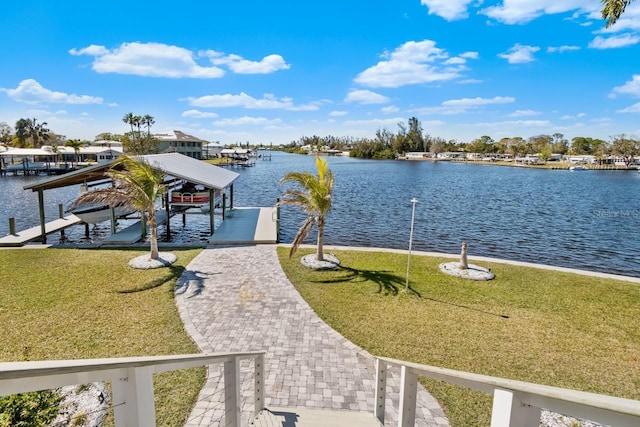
(413, 215)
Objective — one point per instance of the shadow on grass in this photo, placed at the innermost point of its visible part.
(388, 284)
(174, 273)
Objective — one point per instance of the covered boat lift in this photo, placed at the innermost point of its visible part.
(176, 166)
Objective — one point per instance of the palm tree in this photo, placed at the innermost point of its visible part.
(137, 185)
(129, 119)
(148, 120)
(314, 199)
(76, 144)
(612, 10)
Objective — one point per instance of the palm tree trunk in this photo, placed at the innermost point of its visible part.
(320, 251)
(153, 227)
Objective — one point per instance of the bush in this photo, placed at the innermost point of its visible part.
(29, 409)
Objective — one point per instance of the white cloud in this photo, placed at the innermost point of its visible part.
(366, 97)
(197, 114)
(148, 59)
(561, 49)
(523, 11)
(247, 121)
(448, 9)
(614, 42)
(239, 65)
(569, 117)
(523, 113)
(411, 63)
(457, 106)
(267, 102)
(338, 113)
(635, 108)
(390, 109)
(520, 54)
(455, 61)
(162, 60)
(29, 91)
(474, 102)
(632, 87)
(376, 122)
(470, 55)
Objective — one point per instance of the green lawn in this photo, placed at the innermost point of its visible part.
(534, 325)
(76, 304)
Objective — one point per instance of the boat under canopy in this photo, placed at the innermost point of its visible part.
(176, 166)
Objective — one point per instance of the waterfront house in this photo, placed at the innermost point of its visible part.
(180, 142)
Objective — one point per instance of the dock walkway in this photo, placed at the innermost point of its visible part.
(247, 226)
(34, 233)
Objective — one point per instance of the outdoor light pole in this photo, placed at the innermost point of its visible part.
(413, 215)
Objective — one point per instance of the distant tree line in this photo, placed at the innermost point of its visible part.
(410, 137)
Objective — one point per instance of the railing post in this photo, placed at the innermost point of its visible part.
(509, 411)
(132, 399)
(381, 390)
(232, 393)
(408, 392)
(259, 384)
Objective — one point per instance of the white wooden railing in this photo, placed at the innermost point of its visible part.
(515, 403)
(132, 381)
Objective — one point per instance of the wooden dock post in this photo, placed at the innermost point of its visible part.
(43, 229)
(224, 204)
(212, 207)
(12, 226)
(278, 220)
(61, 214)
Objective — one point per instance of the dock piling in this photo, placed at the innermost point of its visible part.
(12, 226)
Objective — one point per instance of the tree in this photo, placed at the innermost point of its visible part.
(135, 143)
(137, 185)
(314, 199)
(38, 132)
(148, 120)
(76, 144)
(415, 137)
(5, 133)
(612, 10)
(22, 133)
(624, 148)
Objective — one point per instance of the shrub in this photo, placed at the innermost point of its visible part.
(29, 409)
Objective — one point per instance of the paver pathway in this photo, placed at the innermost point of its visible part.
(237, 299)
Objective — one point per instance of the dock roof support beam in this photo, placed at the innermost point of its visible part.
(43, 229)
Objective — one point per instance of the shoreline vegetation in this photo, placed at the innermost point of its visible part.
(535, 325)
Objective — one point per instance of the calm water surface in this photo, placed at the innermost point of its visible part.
(587, 220)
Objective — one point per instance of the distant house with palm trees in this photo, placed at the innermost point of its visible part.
(180, 142)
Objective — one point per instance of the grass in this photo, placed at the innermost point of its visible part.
(76, 304)
(533, 325)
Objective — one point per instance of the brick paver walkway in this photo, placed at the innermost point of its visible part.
(238, 299)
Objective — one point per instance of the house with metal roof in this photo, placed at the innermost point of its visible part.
(180, 142)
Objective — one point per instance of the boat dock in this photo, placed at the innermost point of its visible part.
(34, 233)
(133, 233)
(247, 226)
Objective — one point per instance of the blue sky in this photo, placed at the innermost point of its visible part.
(275, 71)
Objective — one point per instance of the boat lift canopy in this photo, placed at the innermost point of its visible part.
(172, 164)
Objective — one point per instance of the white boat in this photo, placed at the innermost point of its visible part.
(578, 168)
(94, 214)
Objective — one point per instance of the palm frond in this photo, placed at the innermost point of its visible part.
(301, 235)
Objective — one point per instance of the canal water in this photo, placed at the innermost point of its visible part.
(583, 219)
